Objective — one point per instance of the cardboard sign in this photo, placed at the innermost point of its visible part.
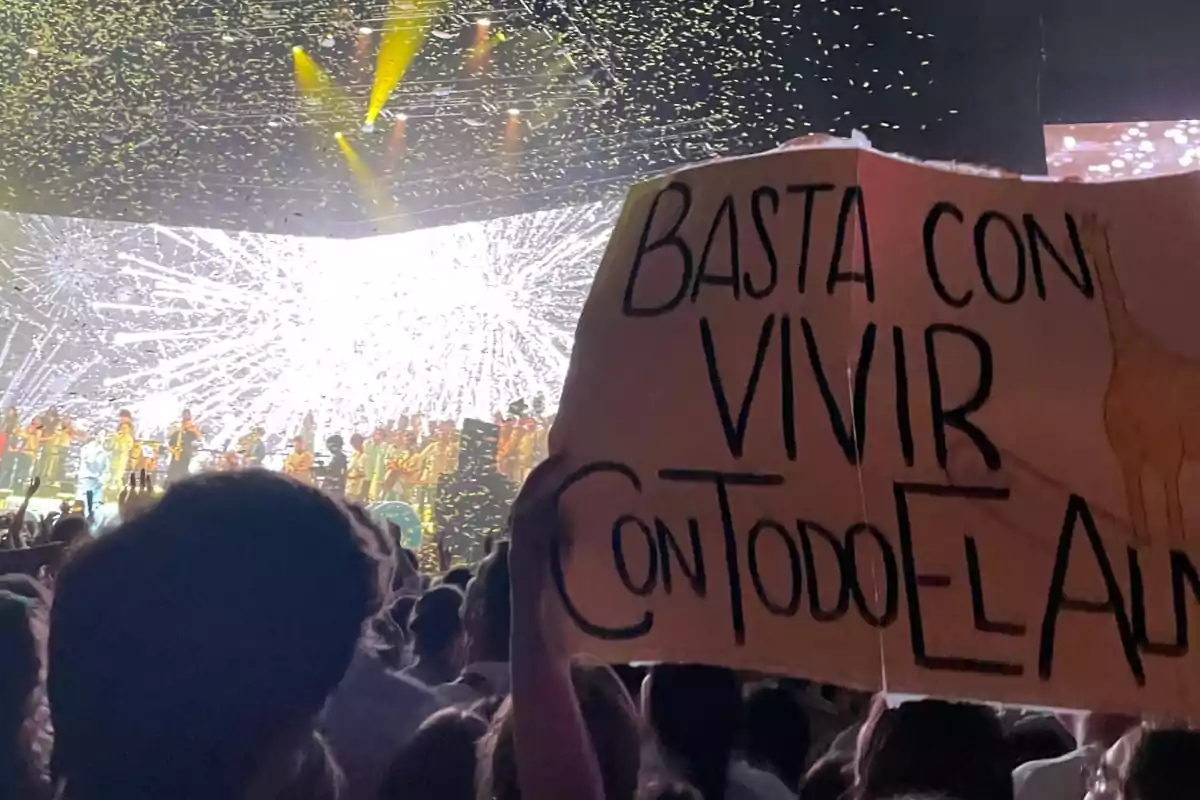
(850, 417)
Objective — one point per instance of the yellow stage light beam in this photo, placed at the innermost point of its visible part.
(408, 23)
(314, 83)
(381, 200)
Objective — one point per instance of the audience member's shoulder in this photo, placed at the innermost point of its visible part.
(1051, 778)
(749, 783)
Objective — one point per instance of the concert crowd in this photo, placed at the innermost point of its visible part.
(172, 657)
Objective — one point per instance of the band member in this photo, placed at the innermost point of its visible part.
(27, 457)
(376, 461)
(335, 473)
(252, 448)
(56, 441)
(120, 451)
(93, 466)
(308, 432)
(300, 462)
(356, 471)
(182, 444)
(230, 461)
(401, 466)
(10, 431)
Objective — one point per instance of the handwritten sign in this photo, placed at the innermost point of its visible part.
(846, 416)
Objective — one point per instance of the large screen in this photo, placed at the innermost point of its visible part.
(250, 329)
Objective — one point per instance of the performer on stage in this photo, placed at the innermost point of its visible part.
(300, 462)
(55, 444)
(120, 451)
(308, 432)
(376, 461)
(356, 471)
(182, 444)
(399, 466)
(27, 457)
(335, 473)
(252, 448)
(10, 431)
(93, 467)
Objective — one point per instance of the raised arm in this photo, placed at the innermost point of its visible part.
(555, 757)
(18, 520)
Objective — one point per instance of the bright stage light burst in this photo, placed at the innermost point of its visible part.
(251, 329)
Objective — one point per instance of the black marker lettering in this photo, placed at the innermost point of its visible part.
(981, 256)
(957, 417)
(1183, 578)
(668, 547)
(891, 582)
(913, 580)
(931, 223)
(764, 237)
(557, 573)
(1137, 612)
(792, 605)
(787, 389)
(1039, 241)
(978, 607)
(1082, 281)
(816, 611)
(646, 587)
(670, 239)
(903, 418)
(722, 481)
(726, 213)
(735, 433)
(809, 190)
(853, 439)
(852, 199)
(1058, 601)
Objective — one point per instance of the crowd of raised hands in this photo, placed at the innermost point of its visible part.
(246, 636)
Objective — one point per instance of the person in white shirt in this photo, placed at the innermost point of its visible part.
(371, 716)
(486, 613)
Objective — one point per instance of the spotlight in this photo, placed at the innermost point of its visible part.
(514, 112)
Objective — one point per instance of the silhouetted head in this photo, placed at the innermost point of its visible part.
(1163, 765)
(486, 612)
(777, 733)
(612, 727)
(458, 576)
(436, 625)
(200, 638)
(695, 712)
(439, 762)
(933, 747)
(22, 643)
